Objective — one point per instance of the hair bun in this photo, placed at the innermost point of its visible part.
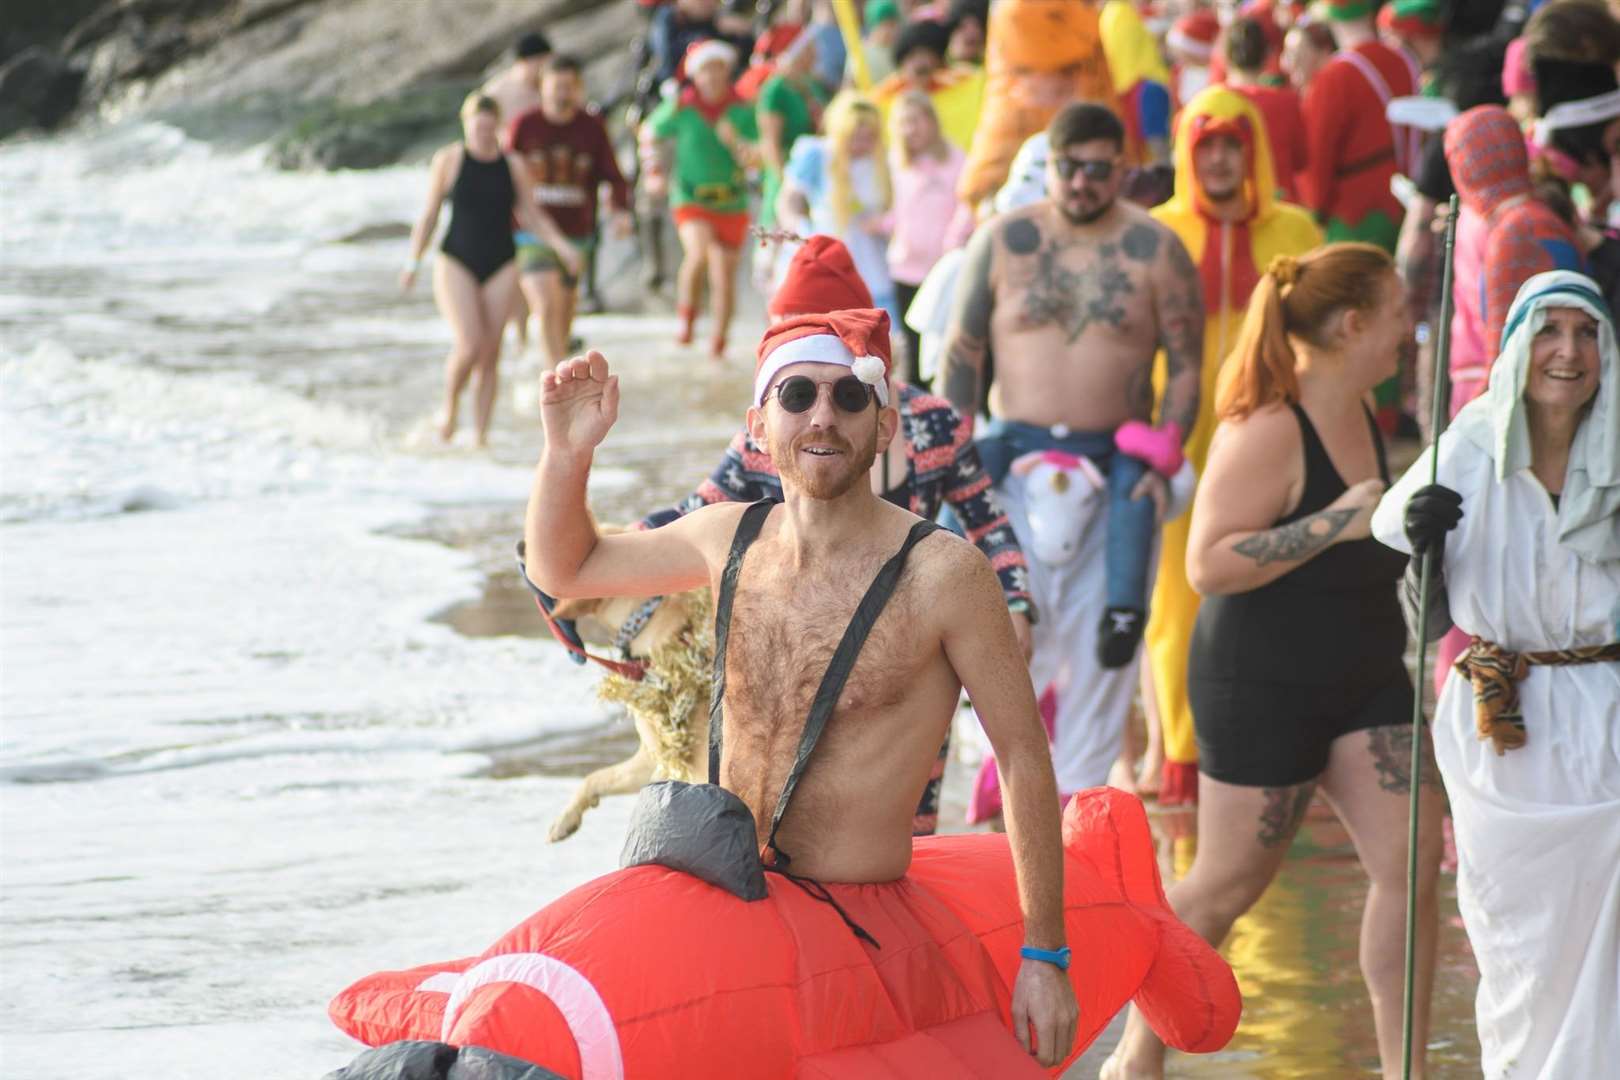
(1284, 269)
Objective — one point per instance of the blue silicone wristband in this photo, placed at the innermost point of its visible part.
(1058, 959)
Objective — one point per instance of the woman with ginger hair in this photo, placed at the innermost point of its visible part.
(838, 185)
(1281, 541)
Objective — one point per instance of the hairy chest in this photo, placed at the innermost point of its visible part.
(784, 634)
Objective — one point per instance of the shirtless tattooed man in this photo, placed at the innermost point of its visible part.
(944, 628)
(1074, 296)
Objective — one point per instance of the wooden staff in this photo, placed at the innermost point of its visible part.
(1438, 414)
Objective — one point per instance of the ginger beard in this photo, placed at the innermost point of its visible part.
(829, 475)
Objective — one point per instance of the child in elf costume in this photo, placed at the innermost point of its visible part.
(698, 143)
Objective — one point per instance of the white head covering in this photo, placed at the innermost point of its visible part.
(1589, 509)
(1026, 179)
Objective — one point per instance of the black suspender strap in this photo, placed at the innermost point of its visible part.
(753, 519)
(843, 662)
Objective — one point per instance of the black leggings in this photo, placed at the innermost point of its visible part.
(903, 296)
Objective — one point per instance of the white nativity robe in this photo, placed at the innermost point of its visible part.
(1538, 829)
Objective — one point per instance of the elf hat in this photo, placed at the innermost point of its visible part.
(821, 277)
(1411, 18)
(857, 338)
(1348, 10)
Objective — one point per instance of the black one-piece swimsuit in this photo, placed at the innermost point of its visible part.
(481, 201)
(1276, 674)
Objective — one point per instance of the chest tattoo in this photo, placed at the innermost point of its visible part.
(1076, 300)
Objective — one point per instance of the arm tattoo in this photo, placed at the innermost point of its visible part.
(1296, 541)
(969, 338)
(1181, 332)
(1284, 809)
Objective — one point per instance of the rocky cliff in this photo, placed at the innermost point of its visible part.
(336, 83)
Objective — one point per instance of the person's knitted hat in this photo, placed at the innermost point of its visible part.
(880, 11)
(1412, 18)
(1348, 10)
(1195, 35)
(821, 277)
(921, 34)
(857, 339)
(1517, 78)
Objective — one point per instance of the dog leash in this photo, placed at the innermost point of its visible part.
(634, 670)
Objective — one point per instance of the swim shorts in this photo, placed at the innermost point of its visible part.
(730, 229)
(534, 256)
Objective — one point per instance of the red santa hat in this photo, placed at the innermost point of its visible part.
(857, 339)
(821, 277)
(707, 51)
(1195, 34)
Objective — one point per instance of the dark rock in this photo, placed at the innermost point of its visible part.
(336, 136)
(335, 83)
(37, 89)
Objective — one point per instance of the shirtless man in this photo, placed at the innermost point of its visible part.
(1074, 296)
(945, 628)
(517, 89)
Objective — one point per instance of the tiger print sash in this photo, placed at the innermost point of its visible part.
(1495, 673)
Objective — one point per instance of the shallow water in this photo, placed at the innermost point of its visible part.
(276, 712)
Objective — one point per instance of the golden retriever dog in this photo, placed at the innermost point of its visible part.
(670, 706)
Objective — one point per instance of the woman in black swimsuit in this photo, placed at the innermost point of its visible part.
(476, 284)
(1295, 674)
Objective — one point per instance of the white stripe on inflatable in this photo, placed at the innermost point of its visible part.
(440, 982)
(581, 1006)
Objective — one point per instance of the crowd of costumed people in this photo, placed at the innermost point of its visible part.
(1146, 301)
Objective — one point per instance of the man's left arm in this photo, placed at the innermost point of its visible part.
(979, 643)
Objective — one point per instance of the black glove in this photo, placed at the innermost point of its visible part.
(1431, 512)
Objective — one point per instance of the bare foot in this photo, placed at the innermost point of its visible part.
(1116, 1068)
(446, 423)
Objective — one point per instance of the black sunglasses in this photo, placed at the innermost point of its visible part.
(1095, 171)
(798, 393)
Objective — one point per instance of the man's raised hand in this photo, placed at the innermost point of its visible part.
(579, 401)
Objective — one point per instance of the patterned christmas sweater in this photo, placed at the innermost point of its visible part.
(942, 467)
